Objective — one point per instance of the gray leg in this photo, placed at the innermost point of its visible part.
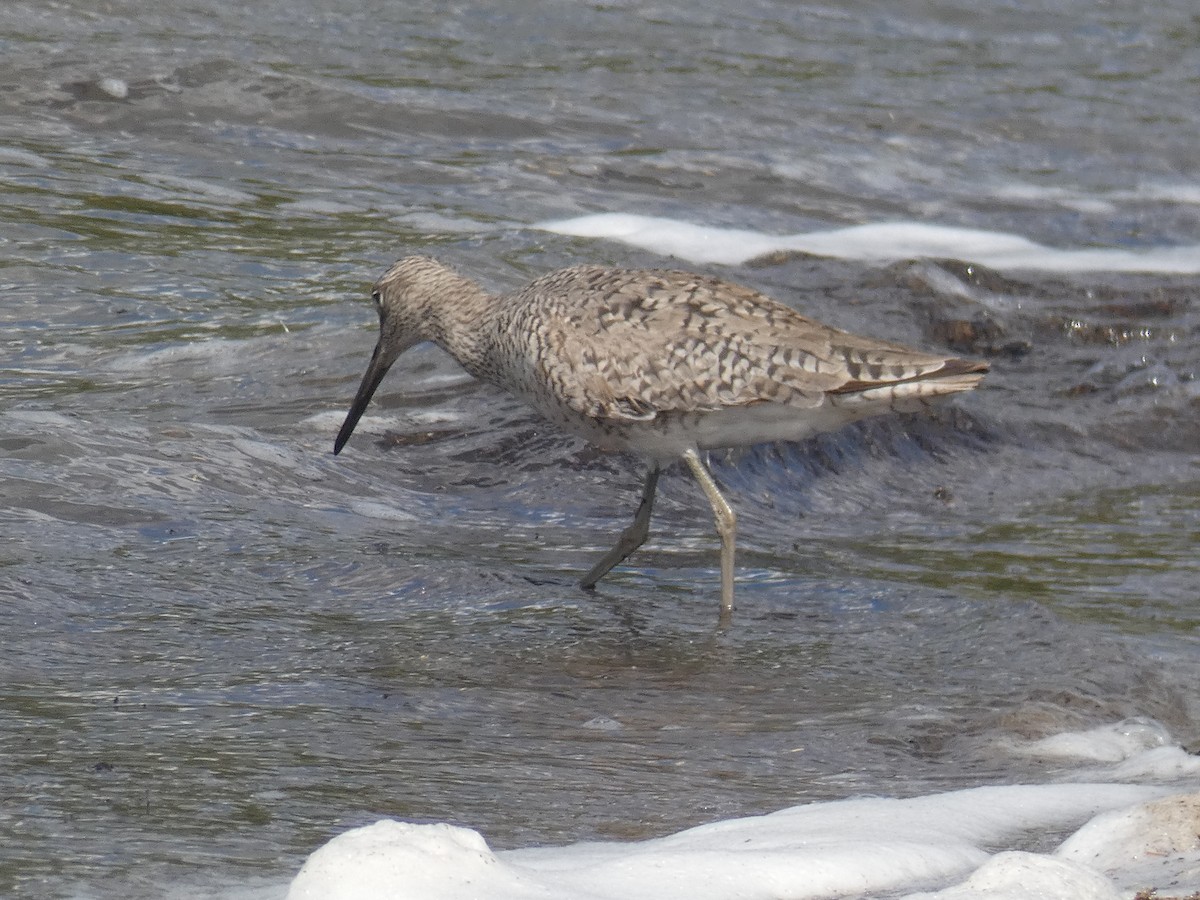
(631, 538)
(726, 528)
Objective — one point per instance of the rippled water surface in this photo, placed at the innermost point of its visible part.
(223, 645)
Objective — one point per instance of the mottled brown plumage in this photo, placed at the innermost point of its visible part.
(660, 363)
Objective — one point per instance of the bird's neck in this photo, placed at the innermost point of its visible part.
(460, 320)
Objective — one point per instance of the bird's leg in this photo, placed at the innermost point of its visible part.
(726, 528)
(631, 538)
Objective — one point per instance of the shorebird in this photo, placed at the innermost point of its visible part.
(659, 363)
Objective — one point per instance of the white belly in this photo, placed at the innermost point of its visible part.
(667, 437)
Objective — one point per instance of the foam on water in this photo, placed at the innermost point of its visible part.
(881, 242)
(1108, 743)
(968, 843)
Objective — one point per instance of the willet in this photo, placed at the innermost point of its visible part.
(662, 364)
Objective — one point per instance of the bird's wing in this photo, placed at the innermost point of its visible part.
(634, 345)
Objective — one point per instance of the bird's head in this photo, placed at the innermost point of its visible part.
(406, 300)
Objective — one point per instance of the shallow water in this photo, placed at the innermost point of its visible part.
(223, 645)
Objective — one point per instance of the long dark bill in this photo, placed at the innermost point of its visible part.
(376, 369)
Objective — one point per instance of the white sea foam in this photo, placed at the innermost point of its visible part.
(1108, 743)
(963, 844)
(881, 242)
